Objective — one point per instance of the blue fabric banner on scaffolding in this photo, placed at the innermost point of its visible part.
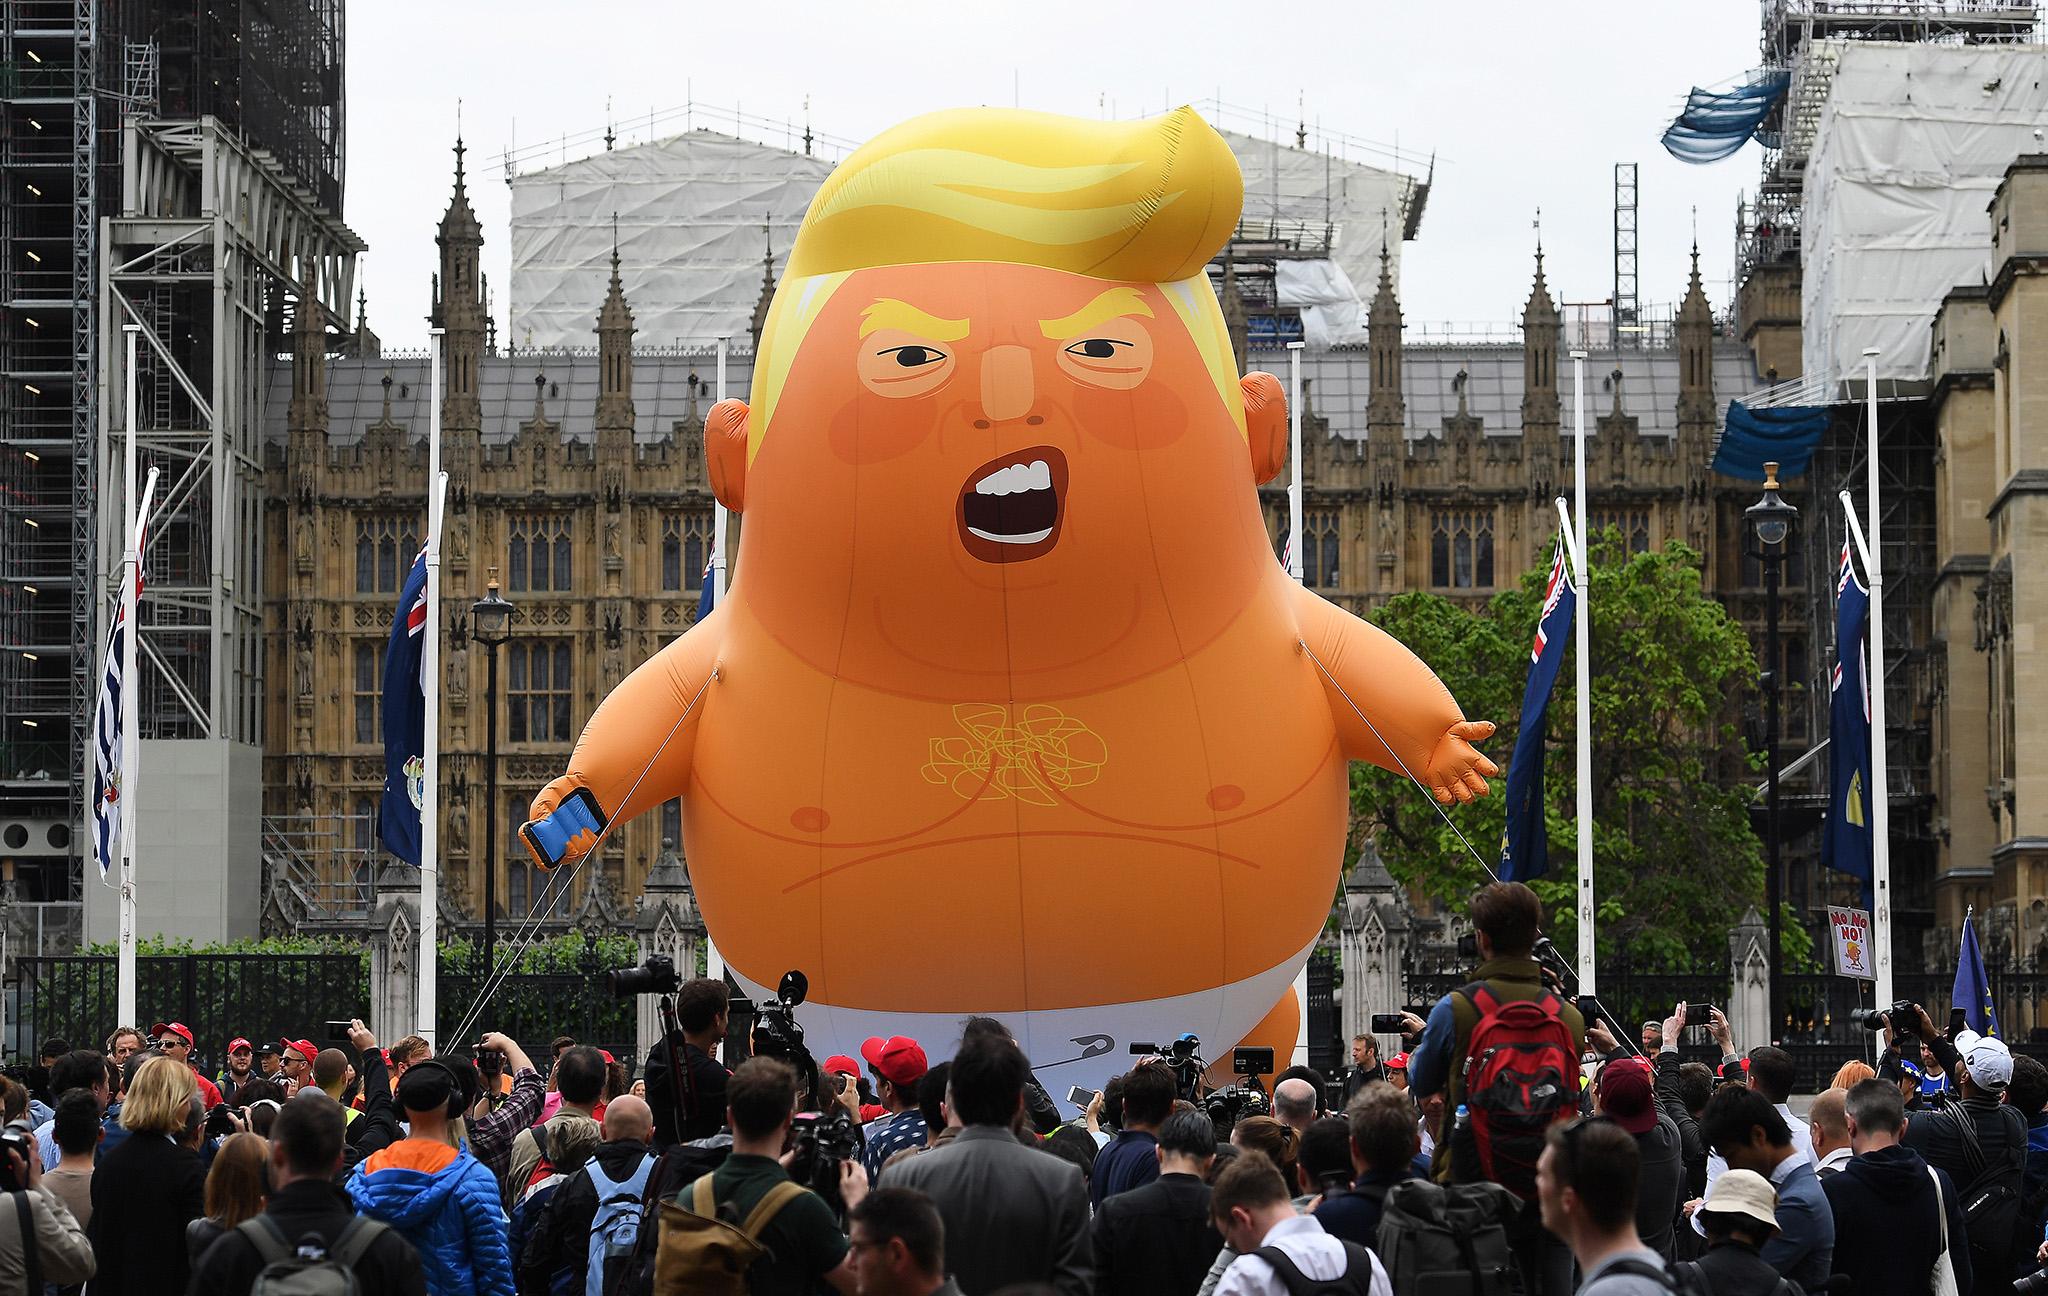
(1714, 124)
(1786, 435)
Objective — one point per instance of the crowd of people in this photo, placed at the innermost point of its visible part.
(1513, 1146)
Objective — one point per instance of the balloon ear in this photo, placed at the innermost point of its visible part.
(725, 449)
(1265, 423)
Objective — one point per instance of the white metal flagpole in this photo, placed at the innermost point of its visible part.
(1582, 621)
(1294, 562)
(1294, 569)
(131, 702)
(1879, 798)
(430, 685)
(720, 518)
(714, 962)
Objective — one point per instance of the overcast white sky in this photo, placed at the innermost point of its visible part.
(1527, 103)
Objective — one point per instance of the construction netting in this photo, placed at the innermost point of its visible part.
(696, 213)
(1912, 144)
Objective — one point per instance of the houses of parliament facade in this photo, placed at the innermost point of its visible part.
(578, 481)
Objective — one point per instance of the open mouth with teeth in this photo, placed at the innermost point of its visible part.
(1011, 507)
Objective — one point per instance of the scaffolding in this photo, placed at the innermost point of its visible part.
(1806, 36)
(1627, 298)
(218, 240)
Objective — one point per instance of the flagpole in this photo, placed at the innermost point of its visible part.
(714, 962)
(1582, 622)
(430, 683)
(1880, 786)
(719, 516)
(131, 701)
(1294, 564)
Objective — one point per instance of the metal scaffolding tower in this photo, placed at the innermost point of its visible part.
(215, 247)
(1627, 300)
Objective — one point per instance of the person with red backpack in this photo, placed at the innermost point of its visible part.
(1503, 1050)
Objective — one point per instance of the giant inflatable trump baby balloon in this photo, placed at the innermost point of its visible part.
(1010, 708)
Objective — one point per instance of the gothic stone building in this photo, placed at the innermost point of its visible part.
(579, 478)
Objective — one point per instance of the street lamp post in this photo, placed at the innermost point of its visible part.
(1772, 518)
(491, 626)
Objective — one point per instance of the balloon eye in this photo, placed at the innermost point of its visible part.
(915, 357)
(1096, 348)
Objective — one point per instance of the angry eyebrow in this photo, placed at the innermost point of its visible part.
(1114, 304)
(889, 313)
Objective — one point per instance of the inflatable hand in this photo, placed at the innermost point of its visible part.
(1457, 770)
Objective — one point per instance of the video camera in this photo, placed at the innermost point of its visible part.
(1248, 1097)
(1184, 1056)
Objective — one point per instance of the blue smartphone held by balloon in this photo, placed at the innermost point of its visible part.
(573, 828)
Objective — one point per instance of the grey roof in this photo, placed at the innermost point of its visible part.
(1340, 382)
(505, 387)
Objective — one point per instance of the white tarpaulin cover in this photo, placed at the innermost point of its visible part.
(1330, 313)
(691, 208)
(1912, 144)
(690, 215)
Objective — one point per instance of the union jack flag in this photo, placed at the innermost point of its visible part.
(1552, 592)
(106, 719)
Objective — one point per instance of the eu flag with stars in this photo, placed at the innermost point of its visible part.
(405, 720)
(1972, 990)
(1525, 846)
(1845, 841)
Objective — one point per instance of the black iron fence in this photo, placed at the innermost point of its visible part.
(1326, 1053)
(219, 996)
(536, 1007)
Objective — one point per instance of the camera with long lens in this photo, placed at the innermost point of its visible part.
(1904, 1019)
(823, 1142)
(657, 976)
(1184, 1056)
(1226, 1107)
(15, 1139)
(2034, 1284)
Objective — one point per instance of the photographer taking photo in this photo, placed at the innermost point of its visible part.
(1978, 1141)
(702, 1008)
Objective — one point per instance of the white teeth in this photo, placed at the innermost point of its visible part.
(1029, 537)
(1016, 478)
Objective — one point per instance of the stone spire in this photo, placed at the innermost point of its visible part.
(1385, 408)
(366, 343)
(615, 350)
(1541, 325)
(459, 306)
(760, 320)
(308, 412)
(1695, 329)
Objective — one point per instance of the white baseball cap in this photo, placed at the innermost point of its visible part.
(1988, 1059)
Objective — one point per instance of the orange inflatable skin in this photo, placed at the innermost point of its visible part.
(949, 774)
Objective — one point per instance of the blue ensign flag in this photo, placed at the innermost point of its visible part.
(1845, 839)
(405, 720)
(1525, 845)
(707, 591)
(1972, 991)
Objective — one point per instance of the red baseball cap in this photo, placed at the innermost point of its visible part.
(180, 1029)
(840, 1064)
(237, 1043)
(1398, 1062)
(304, 1048)
(898, 1060)
(1627, 1096)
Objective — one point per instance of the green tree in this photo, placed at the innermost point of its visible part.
(1675, 860)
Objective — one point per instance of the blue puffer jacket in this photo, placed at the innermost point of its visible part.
(446, 1204)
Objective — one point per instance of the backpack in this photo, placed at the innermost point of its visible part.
(701, 1251)
(678, 1166)
(1356, 1280)
(1436, 1238)
(1520, 1078)
(615, 1228)
(1686, 1278)
(1991, 1203)
(308, 1269)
